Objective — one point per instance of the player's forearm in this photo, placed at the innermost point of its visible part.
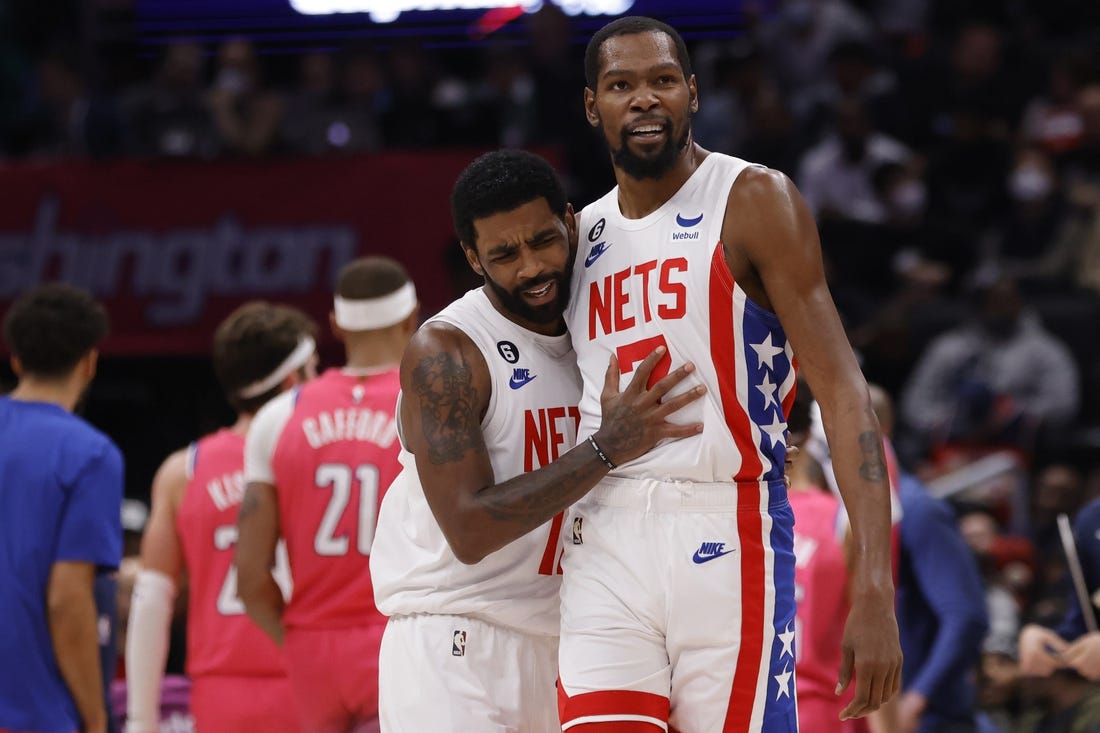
(263, 601)
(72, 621)
(860, 465)
(504, 512)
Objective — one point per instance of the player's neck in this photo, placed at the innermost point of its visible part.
(373, 355)
(244, 422)
(641, 197)
(64, 393)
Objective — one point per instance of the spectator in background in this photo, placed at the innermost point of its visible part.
(1031, 226)
(1053, 122)
(169, 117)
(67, 120)
(740, 78)
(238, 676)
(1071, 645)
(60, 498)
(335, 107)
(836, 175)
(798, 40)
(246, 115)
(411, 119)
(941, 614)
(998, 378)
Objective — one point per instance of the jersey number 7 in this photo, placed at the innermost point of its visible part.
(631, 354)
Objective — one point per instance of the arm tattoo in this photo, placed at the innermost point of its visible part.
(447, 398)
(873, 467)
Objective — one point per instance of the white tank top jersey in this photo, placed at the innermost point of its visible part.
(531, 419)
(663, 280)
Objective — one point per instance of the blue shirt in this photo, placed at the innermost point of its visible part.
(1086, 534)
(60, 492)
(941, 610)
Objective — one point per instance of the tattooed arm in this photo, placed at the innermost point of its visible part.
(445, 392)
(773, 252)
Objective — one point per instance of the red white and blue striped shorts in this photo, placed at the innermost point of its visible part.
(678, 609)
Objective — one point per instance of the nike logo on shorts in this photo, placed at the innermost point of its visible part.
(709, 551)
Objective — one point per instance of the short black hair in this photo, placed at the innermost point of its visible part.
(502, 181)
(628, 26)
(52, 327)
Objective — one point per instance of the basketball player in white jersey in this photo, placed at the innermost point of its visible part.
(678, 607)
(466, 555)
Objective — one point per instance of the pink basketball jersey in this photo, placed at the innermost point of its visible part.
(333, 461)
(821, 592)
(221, 639)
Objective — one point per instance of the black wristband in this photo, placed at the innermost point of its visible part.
(599, 452)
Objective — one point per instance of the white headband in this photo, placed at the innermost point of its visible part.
(373, 313)
(297, 359)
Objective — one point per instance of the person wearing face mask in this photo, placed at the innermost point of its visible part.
(246, 116)
(1000, 377)
(1037, 214)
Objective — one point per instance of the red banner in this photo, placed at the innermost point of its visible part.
(172, 248)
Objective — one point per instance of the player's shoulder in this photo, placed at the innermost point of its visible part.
(276, 411)
(758, 185)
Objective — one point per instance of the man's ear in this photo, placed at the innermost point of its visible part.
(590, 110)
(473, 259)
(693, 95)
(16, 366)
(89, 364)
(571, 226)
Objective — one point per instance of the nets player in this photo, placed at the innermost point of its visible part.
(466, 560)
(719, 262)
(317, 462)
(60, 493)
(238, 675)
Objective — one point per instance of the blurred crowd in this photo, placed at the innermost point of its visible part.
(951, 154)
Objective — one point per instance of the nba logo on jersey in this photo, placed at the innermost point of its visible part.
(577, 522)
(458, 644)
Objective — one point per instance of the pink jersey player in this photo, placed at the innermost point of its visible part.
(239, 680)
(317, 463)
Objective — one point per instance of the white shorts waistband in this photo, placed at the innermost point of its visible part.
(654, 495)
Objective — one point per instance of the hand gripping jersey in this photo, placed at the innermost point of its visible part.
(335, 456)
(662, 280)
(531, 419)
(221, 639)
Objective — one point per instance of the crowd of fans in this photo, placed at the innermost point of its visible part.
(951, 154)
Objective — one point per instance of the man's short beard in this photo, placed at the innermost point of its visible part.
(514, 303)
(641, 168)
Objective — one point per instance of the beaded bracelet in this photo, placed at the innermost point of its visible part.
(599, 452)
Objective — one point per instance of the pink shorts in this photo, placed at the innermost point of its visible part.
(334, 674)
(243, 705)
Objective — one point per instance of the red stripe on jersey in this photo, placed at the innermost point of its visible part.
(546, 567)
(788, 399)
(610, 702)
(724, 350)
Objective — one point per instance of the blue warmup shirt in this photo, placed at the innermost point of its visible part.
(941, 607)
(1086, 534)
(60, 493)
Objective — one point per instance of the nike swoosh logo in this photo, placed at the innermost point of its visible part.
(517, 383)
(700, 559)
(688, 222)
(594, 255)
